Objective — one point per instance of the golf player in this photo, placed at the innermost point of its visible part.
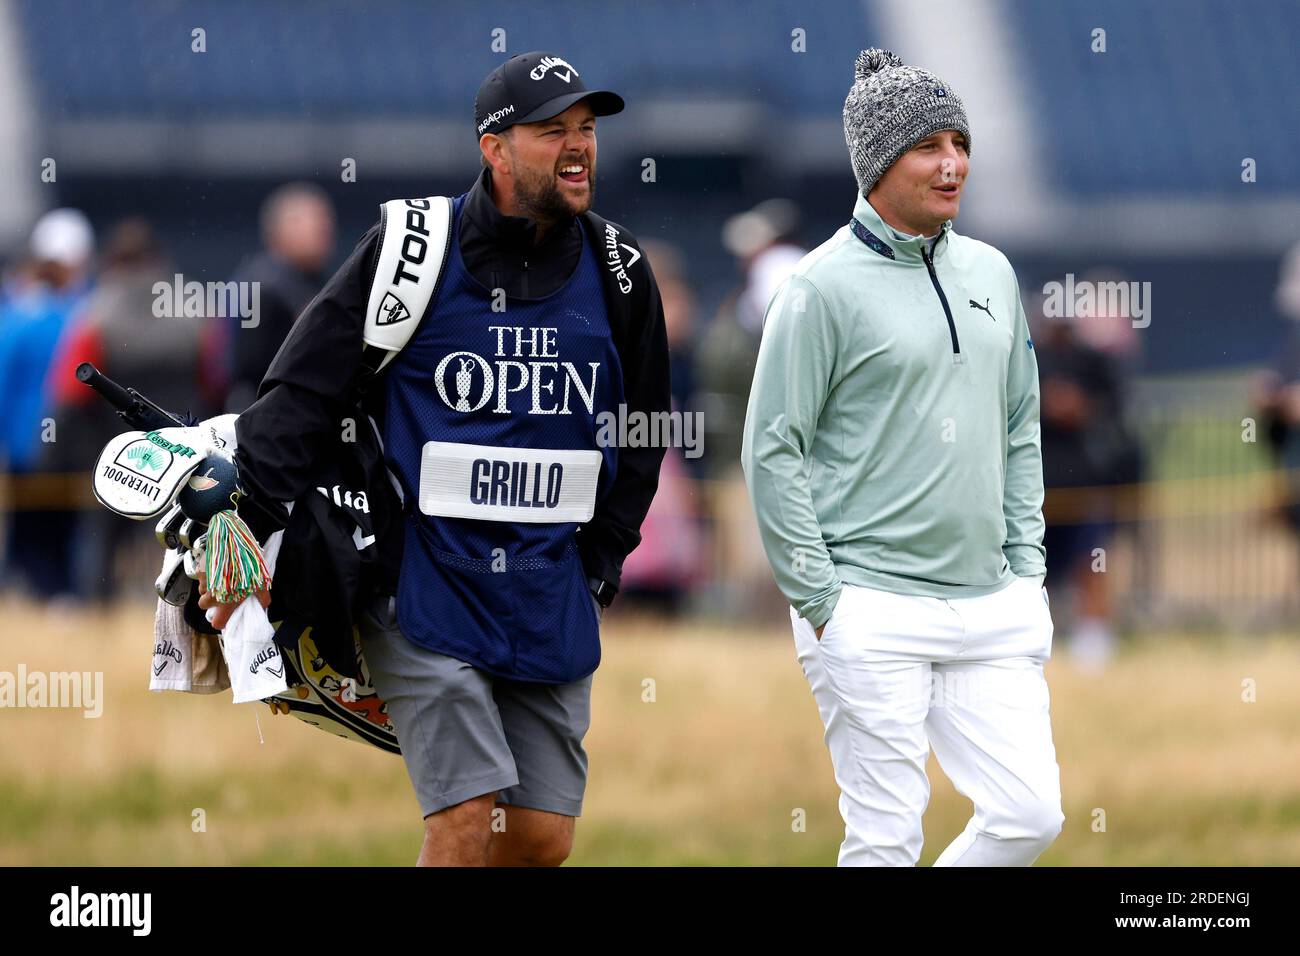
(892, 456)
(517, 514)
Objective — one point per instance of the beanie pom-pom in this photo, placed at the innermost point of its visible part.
(874, 60)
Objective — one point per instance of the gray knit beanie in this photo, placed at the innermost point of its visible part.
(890, 109)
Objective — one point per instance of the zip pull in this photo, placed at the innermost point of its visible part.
(957, 358)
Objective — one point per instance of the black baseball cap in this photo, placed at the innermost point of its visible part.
(532, 87)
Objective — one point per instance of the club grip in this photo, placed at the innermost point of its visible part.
(113, 393)
(136, 410)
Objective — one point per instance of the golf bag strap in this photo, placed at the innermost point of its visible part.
(624, 276)
(414, 240)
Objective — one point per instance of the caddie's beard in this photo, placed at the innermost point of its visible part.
(538, 197)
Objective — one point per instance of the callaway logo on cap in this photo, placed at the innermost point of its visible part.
(532, 87)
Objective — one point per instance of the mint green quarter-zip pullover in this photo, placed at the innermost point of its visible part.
(892, 438)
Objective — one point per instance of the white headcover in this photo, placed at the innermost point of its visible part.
(139, 474)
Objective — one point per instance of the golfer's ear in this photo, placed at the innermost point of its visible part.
(494, 152)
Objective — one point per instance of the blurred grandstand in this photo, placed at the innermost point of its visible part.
(1128, 161)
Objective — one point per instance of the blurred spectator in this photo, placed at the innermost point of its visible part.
(762, 240)
(298, 232)
(1109, 331)
(118, 331)
(36, 309)
(679, 318)
(669, 563)
(1088, 454)
(1275, 393)
(17, 277)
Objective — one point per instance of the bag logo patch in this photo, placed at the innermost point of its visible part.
(392, 311)
(144, 458)
(614, 258)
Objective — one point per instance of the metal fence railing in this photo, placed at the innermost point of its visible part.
(1207, 543)
(1200, 543)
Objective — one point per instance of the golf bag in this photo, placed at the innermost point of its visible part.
(173, 469)
(141, 474)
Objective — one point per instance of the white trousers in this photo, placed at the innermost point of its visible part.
(894, 674)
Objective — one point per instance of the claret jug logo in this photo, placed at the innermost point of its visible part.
(524, 375)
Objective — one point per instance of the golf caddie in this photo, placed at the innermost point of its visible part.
(484, 338)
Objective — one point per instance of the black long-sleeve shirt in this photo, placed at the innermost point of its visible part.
(306, 391)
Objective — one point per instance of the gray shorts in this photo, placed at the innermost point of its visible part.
(465, 733)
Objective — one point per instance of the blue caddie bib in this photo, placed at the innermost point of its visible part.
(491, 430)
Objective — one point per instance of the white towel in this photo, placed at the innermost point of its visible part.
(256, 667)
(249, 662)
(183, 659)
(173, 650)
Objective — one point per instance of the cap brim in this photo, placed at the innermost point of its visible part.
(603, 103)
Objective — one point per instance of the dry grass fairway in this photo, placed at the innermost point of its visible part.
(710, 773)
